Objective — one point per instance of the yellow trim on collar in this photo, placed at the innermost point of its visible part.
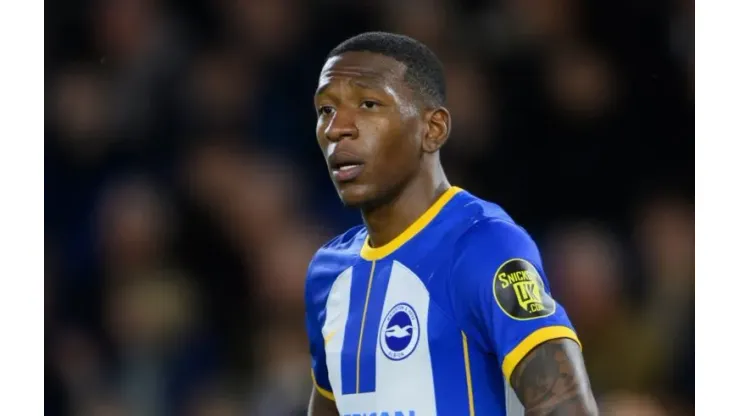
(370, 253)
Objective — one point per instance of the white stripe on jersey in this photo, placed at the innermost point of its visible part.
(337, 310)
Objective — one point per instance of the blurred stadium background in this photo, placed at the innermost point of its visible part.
(185, 192)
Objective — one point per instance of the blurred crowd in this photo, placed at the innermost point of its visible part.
(185, 193)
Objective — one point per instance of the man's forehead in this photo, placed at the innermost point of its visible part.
(372, 67)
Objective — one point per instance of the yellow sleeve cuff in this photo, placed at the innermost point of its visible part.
(531, 341)
(322, 391)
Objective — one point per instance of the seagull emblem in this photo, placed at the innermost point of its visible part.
(397, 332)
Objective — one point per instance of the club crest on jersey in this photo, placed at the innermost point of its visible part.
(520, 292)
(399, 332)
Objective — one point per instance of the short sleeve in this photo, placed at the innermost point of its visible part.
(500, 294)
(315, 315)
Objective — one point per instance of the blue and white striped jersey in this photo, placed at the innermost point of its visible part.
(434, 322)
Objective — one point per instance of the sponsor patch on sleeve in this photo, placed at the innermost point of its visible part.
(520, 292)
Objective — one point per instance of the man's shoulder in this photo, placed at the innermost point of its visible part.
(485, 222)
(488, 239)
(493, 233)
(336, 255)
(469, 223)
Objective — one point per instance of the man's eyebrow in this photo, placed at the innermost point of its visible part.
(322, 88)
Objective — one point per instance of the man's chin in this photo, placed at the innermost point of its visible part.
(354, 195)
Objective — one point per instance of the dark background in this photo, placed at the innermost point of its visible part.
(185, 192)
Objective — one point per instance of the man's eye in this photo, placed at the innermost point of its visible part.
(369, 104)
(325, 110)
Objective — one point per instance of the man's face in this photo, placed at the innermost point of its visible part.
(369, 128)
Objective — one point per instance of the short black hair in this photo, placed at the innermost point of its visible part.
(424, 71)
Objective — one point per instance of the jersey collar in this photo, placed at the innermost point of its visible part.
(377, 253)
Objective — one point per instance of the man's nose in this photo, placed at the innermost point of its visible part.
(342, 126)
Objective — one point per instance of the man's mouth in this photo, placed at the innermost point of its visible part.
(345, 166)
(347, 172)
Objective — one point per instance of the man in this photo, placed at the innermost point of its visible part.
(438, 305)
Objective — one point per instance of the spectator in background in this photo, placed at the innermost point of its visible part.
(664, 235)
(78, 158)
(219, 91)
(80, 114)
(216, 400)
(80, 363)
(144, 51)
(135, 229)
(588, 273)
(632, 405)
(251, 194)
(269, 29)
(472, 140)
(581, 83)
(155, 331)
(256, 200)
(151, 307)
(280, 385)
(513, 27)
(429, 21)
(103, 404)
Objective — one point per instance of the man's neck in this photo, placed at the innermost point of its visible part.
(388, 221)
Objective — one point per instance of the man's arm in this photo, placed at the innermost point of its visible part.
(502, 300)
(552, 381)
(321, 406)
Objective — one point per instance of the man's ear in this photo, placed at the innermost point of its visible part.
(439, 125)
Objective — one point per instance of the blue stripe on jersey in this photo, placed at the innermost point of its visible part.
(486, 377)
(381, 277)
(448, 365)
(358, 294)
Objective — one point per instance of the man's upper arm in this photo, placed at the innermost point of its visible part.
(552, 380)
(501, 296)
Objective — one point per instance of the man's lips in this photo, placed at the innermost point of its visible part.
(345, 166)
(347, 173)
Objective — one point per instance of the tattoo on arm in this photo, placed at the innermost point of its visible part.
(552, 381)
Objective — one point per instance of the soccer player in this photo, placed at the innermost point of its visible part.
(438, 304)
